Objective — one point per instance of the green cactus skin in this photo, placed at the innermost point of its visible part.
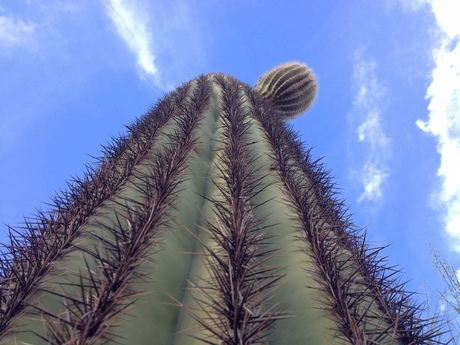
(208, 223)
(291, 87)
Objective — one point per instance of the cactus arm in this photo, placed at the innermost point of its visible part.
(291, 88)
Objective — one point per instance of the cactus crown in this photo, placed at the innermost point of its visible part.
(291, 88)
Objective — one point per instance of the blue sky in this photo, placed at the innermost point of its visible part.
(386, 120)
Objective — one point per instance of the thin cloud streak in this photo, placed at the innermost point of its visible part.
(15, 32)
(132, 26)
(367, 108)
(166, 38)
(444, 111)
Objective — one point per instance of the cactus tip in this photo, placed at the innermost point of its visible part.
(291, 87)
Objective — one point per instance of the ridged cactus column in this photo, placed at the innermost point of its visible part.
(208, 223)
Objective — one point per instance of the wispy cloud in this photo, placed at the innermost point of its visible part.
(444, 110)
(15, 33)
(132, 25)
(164, 36)
(366, 111)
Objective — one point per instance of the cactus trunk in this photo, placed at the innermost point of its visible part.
(208, 223)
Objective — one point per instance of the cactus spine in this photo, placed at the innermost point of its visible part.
(208, 223)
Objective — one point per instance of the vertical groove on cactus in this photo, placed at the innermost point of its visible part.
(290, 87)
(234, 304)
(208, 223)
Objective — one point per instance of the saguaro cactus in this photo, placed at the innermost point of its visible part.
(208, 223)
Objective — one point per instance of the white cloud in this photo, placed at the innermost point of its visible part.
(165, 36)
(367, 111)
(14, 32)
(372, 177)
(447, 13)
(444, 110)
(132, 26)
